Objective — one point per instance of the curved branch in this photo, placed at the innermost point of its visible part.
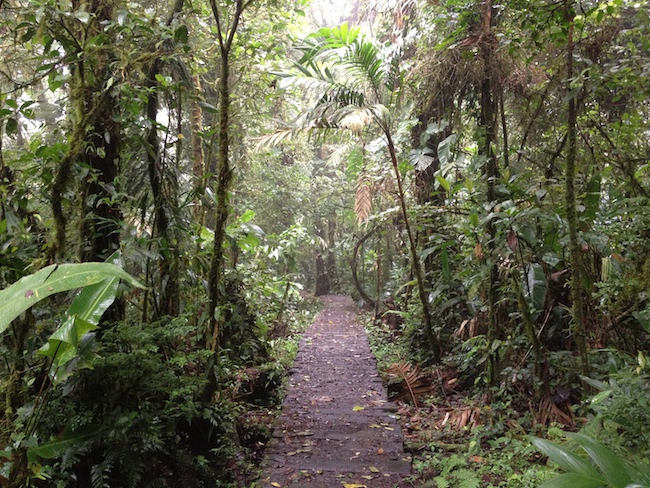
(355, 276)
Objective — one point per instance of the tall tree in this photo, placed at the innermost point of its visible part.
(94, 136)
(575, 258)
(227, 21)
(168, 303)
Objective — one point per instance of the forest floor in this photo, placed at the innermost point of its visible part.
(337, 427)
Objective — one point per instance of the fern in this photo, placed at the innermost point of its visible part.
(99, 474)
(452, 462)
(467, 479)
(441, 482)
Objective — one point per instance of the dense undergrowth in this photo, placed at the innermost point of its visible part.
(464, 433)
(155, 407)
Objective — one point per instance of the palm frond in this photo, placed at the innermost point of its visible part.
(363, 198)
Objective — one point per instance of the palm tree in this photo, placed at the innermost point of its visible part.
(357, 85)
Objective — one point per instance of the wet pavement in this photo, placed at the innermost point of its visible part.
(336, 428)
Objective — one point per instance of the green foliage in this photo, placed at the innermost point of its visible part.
(612, 471)
(31, 289)
(621, 408)
(151, 421)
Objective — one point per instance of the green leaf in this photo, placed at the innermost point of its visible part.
(613, 468)
(355, 163)
(181, 34)
(444, 258)
(62, 345)
(53, 449)
(566, 459)
(247, 216)
(33, 288)
(11, 127)
(443, 182)
(82, 16)
(208, 107)
(573, 480)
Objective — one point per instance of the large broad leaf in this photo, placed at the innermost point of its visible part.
(62, 345)
(31, 289)
(574, 480)
(94, 300)
(566, 459)
(614, 469)
(82, 317)
(53, 449)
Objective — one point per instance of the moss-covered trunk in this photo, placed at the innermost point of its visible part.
(224, 170)
(577, 306)
(487, 127)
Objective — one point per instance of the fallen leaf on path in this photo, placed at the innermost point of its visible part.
(305, 432)
(380, 451)
(373, 469)
(321, 399)
(276, 484)
(353, 485)
(358, 408)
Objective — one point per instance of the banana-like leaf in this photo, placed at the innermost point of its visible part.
(574, 480)
(82, 317)
(53, 449)
(31, 289)
(613, 468)
(62, 345)
(94, 300)
(567, 460)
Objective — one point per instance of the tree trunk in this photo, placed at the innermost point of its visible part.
(224, 171)
(415, 260)
(577, 305)
(198, 158)
(487, 125)
(168, 264)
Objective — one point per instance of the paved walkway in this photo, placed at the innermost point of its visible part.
(336, 427)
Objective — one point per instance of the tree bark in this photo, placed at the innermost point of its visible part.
(224, 170)
(198, 157)
(487, 124)
(434, 343)
(577, 303)
(167, 266)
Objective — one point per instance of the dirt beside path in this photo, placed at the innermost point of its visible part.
(337, 428)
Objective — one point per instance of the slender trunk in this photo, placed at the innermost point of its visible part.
(224, 177)
(355, 276)
(415, 260)
(167, 273)
(224, 170)
(577, 307)
(198, 158)
(487, 123)
(167, 280)
(76, 146)
(4, 175)
(504, 130)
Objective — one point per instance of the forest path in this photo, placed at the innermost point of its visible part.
(336, 427)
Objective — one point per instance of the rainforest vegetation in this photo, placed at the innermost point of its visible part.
(180, 180)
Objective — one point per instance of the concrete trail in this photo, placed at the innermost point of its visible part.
(337, 428)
